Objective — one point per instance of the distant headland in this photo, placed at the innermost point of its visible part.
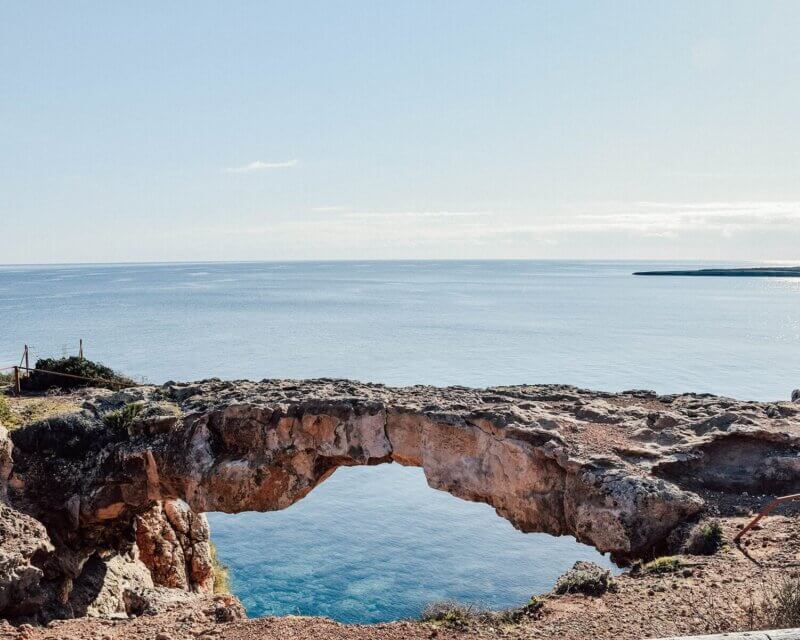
(751, 272)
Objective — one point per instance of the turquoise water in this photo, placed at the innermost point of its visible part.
(376, 543)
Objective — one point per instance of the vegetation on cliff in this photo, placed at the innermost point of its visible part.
(222, 581)
(86, 374)
(7, 418)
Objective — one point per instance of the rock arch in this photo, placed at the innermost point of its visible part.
(553, 459)
(237, 446)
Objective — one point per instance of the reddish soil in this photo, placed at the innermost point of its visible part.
(706, 594)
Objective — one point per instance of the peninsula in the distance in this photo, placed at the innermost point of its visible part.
(750, 272)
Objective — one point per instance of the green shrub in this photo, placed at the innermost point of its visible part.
(461, 616)
(450, 613)
(123, 419)
(6, 417)
(587, 578)
(664, 564)
(705, 539)
(92, 374)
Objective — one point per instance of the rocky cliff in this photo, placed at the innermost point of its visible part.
(103, 508)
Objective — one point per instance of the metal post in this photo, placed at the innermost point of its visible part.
(80, 349)
(27, 363)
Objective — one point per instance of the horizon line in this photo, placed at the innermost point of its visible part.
(389, 260)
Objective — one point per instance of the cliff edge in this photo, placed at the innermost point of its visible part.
(102, 509)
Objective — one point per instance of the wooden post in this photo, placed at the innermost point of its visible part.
(27, 363)
(17, 388)
(80, 349)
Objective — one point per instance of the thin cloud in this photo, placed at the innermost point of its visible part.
(388, 215)
(259, 165)
(666, 219)
(330, 209)
(671, 218)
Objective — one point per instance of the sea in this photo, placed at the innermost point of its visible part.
(375, 544)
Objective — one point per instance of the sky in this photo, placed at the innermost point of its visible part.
(185, 131)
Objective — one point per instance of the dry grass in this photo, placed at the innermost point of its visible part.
(774, 604)
(6, 415)
(15, 412)
(222, 580)
(780, 607)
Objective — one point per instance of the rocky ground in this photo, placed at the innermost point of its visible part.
(704, 594)
(102, 504)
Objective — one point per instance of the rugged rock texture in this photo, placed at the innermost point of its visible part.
(618, 471)
(24, 546)
(173, 544)
(6, 461)
(706, 594)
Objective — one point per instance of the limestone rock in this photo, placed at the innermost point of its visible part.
(174, 543)
(6, 461)
(618, 471)
(24, 545)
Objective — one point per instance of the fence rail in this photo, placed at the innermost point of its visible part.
(24, 369)
(766, 510)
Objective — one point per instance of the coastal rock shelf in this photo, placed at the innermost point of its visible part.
(121, 486)
(750, 272)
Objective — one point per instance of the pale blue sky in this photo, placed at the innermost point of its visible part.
(302, 130)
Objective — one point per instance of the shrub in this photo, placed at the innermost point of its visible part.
(532, 610)
(705, 539)
(664, 564)
(451, 613)
(782, 603)
(6, 416)
(587, 578)
(98, 375)
(461, 616)
(122, 419)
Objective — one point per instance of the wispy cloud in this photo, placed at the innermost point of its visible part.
(330, 209)
(390, 215)
(658, 219)
(666, 220)
(348, 213)
(673, 218)
(259, 165)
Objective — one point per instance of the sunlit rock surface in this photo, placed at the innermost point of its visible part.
(618, 471)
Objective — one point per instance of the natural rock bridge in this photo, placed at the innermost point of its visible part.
(617, 471)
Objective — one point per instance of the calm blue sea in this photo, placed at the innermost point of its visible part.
(376, 543)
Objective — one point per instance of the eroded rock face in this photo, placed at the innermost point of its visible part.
(173, 543)
(618, 471)
(6, 461)
(24, 547)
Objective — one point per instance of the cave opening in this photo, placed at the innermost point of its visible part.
(376, 543)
